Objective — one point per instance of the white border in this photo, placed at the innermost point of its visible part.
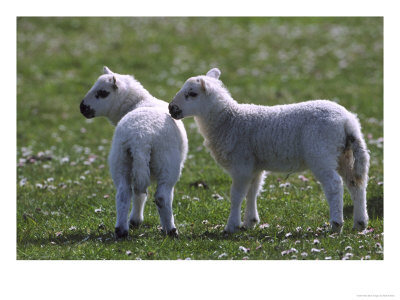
(197, 279)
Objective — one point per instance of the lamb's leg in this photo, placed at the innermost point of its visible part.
(136, 216)
(163, 199)
(359, 197)
(357, 186)
(239, 189)
(123, 201)
(141, 180)
(121, 174)
(251, 217)
(333, 187)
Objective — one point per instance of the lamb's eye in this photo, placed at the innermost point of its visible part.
(192, 94)
(101, 94)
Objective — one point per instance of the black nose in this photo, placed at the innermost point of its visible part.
(174, 111)
(87, 111)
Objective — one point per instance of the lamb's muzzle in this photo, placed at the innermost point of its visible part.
(175, 111)
(87, 111)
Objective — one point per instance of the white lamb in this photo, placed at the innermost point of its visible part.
(147, 144)
(247, 139)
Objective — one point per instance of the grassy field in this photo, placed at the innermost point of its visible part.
(65, 196)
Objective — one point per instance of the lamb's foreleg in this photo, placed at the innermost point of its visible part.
(239, 189)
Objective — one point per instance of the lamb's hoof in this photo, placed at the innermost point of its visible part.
(226, 233)
(250, 224)
(134, 224)
(360, 225)
(336, 227)
(173, 233)
(121, 233)
(231, 229)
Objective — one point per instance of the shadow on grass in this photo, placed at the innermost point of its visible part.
(374, 207)
(75, 238)
(69, 239)
(262, 235)
(108, 237)
(147, 231)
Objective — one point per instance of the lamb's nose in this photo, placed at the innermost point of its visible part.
(83, 107)
(86, 110)
(173, 108)
(174, 111)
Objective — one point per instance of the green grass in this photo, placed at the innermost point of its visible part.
(65, 197)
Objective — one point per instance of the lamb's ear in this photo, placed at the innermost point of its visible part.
(115, 86)
(203, 84)
(106, 70)
(214, 72)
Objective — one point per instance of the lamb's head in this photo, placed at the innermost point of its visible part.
(102, 96)
(194, 97)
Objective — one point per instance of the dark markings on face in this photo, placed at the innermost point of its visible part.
(101, 94)
(190, 94)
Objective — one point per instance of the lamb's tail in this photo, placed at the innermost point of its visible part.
(130, 161)
(119, 162)
(355, 158)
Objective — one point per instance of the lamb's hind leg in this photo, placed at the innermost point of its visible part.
(121, 174)
(123, 201)
(333, 187)
(251, 217)
(136, 216)
(357, 187)
(163, 199)
(141, 181)
(359, 197)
